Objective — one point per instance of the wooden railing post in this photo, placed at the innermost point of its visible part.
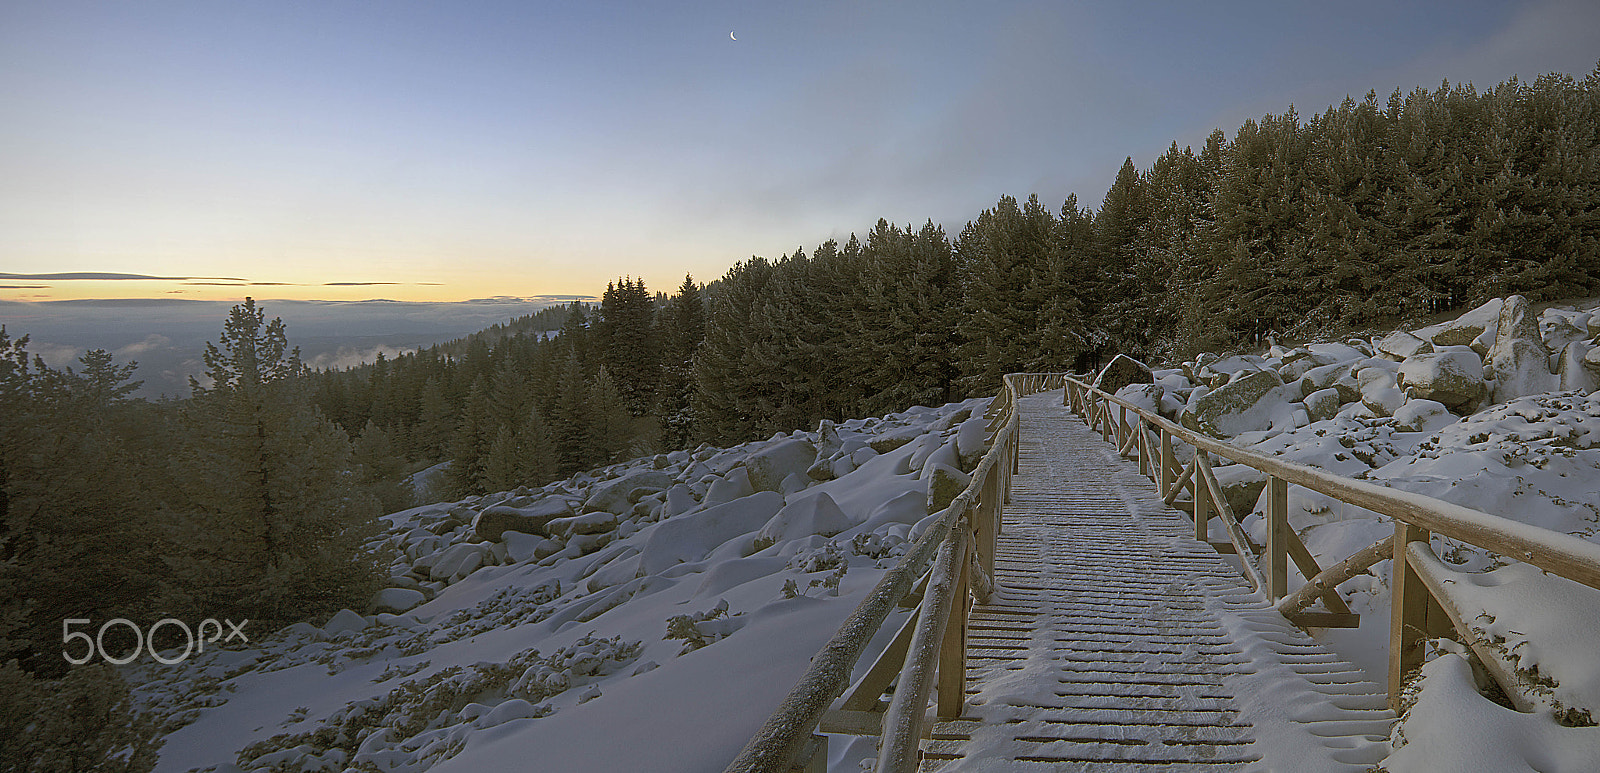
(1202, 499)
(988, 522)
(1277, 558)
(1408, 619)
(1169, 464)
(953, 650)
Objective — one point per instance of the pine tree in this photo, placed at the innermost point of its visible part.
(610, 427)
(681, 327)
(273, 530)
(380, 471)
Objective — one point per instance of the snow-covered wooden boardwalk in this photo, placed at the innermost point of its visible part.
(1117, 642)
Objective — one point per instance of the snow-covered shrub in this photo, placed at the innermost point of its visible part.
(702, 628)
(425, 720)
(826, 556)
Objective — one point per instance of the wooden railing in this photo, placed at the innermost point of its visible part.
(1421, 607)
(960, 548)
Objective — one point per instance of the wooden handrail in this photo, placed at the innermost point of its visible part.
(1414, 579)
(974, 513)
(902, 725)
(1571, 557)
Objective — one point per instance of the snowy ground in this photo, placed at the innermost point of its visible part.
(656, 631)
(672, 601)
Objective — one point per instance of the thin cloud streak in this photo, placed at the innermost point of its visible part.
(111, 277)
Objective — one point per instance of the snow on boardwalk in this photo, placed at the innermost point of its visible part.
(1119, 643)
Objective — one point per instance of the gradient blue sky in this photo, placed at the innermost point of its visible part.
(473, 149)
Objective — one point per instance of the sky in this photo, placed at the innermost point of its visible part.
(441, 152)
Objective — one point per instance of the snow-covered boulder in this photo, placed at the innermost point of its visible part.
(1574, 375)
(397, 599)
(829, 449)
(458, 561)
(729, 487)
(692, 537)
(1453, 376)
(521, 548)
(1591, 362)
(1296, 363)
(972, 438)
(1322, 404)
(1244, 404)
(1559, 327)
(1422, 416)
(344, 620)
(768, 467)
(1336, 376)
(1380, 391)
(497, 519)
(618, 495)
(1241, 486)
(1401, 345)
(818, 515)
(1120, 372)
(1465, 329)
(679, 499)
(1520, 362)
(945, 483)
(598, 522)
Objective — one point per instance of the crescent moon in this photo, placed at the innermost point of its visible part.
(731, 37)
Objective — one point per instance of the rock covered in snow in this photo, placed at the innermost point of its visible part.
(692, 537)
(1520, 362)
(729, 487)
(767, 468)
(618, 495)
(1453, 377)
(1576, 375)
(1467, 328)
(1380, 390)
(1244, 404)
(1401, 345)
(494, 520)
(1422, 416)
(397, 599)
(818, 515)
(344, 620)
(1322, 404)
(945, 483)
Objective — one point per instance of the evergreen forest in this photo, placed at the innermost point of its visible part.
(1366, 214)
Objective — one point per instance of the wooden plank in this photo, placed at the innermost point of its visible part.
(1169, 463)
(1169, 494)
(1277, 553)
(846, 722)
(1329, 579)
(953, 649)
(1241, 543)
(868, 690)
(1408, 611)
(1202, 496)
(813, 756)
(1308, 568)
